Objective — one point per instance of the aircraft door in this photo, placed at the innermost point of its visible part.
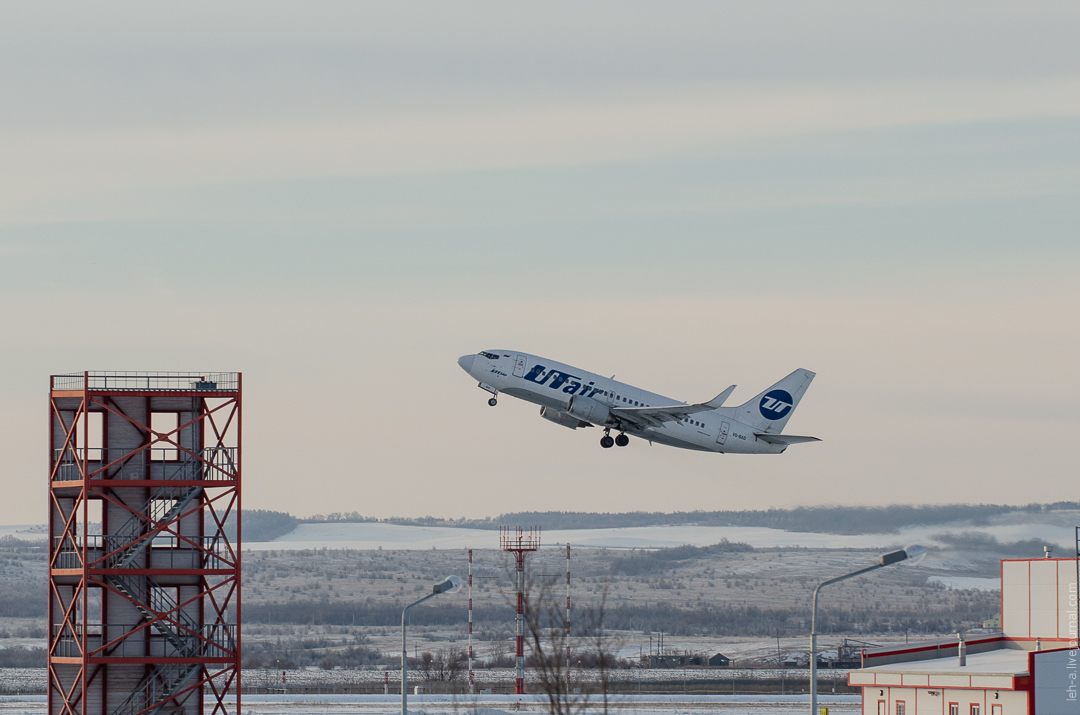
(519, 365)
(722, 437)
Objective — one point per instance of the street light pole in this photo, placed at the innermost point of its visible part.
(913, 553)
(451, 584)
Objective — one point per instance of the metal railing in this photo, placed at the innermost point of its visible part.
(155, 381)
(221, 637)
(165, 552)
(212, 463)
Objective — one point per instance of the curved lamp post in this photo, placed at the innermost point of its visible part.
(450, 584)
(914, 554)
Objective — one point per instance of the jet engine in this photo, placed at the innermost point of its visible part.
(561, 418)
(588, 409)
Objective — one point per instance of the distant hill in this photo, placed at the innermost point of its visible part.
(266, 525)
(263, 525)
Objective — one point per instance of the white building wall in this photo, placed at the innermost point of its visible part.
(924, 701)
(927, 704)
(1038, 598)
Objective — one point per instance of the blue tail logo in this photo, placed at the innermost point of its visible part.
(776, 404)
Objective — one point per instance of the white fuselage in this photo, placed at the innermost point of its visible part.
(552, 385)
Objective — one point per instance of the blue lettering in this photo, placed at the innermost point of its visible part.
(536, 375)
(560, 378)
(572, 388)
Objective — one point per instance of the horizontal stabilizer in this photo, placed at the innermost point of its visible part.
(784, 438)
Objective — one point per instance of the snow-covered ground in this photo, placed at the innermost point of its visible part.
(394, 536)
(34, 679)
(1052, 528)
(498, 704)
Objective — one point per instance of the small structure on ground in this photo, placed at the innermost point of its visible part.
(720, 661)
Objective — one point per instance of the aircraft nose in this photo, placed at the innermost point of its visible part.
(466, 362)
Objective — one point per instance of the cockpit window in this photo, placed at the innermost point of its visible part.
(490, 356)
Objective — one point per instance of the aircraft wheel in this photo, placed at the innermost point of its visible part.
(606, 442)
(493, 402)
(622, 440)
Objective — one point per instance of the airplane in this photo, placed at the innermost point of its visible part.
(577, 398)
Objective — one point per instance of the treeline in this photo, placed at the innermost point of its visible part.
(815, 519)
(975, 541)
(644, 562)
(699, 620)
(25, 595)
(734, 620)
(266, 525)
(363, 613)
(17, 656)
(262, 525)
(298, 653)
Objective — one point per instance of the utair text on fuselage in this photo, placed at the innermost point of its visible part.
(574, 398)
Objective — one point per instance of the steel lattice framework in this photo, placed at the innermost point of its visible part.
(519, 542)
(144, 548)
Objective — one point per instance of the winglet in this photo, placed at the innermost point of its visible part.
(719, 399)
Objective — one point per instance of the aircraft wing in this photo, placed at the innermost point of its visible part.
(657, 416)
(784, 438)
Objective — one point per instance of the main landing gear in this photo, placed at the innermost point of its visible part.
(607, 442)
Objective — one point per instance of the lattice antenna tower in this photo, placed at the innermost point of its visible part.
(520, 542)
(567, 616)
(472, 680)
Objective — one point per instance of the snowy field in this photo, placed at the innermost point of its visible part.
(498, 704)
(25, 532)
(392, 536)
(13, 680)
(364, 536)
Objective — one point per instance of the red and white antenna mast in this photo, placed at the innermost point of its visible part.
(472, 681)
(567, 616)
(520, 543)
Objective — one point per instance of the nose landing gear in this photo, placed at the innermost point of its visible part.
(492, 401)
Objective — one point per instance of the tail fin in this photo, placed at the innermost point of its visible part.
(769, 411)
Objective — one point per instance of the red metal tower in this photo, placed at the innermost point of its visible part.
(144, 548)
(472, 679)
(520, 543)
(568, 616)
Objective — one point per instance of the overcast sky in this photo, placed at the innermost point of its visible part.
(340, 199)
